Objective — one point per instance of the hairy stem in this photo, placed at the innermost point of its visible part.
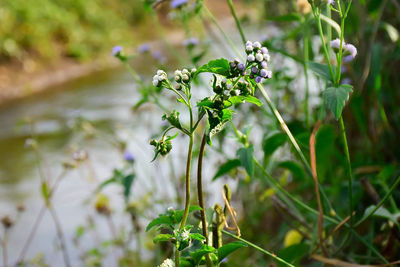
(200, 194)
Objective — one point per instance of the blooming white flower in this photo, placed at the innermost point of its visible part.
(249, 48)
(160, 72)
(267, 57)
(185, 235)
(167, 263)
(249, 43)
(178, 73)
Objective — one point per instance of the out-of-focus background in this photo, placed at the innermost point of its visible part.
(64, 100)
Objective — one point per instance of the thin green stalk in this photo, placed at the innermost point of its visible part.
(305, 66)
(237, 21)
(187, 196)
(340, 54)
(388, 194)
(350, 173)
(214, 20)
(321, 34)
(259, 249)
(200, 195)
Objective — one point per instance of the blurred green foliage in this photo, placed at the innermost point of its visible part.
(72, 28)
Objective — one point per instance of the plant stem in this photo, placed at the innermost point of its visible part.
(321, 34)
(237, 21)
(258, 248)
(350, 173)
(200, 195)
(60, 235)
(305, 66)
(388, 194)
(4, 246)
(187, 196)
(340, 54)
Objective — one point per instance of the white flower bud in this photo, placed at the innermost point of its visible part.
(267, 57)
(160, 72)
(249, 48)
(229, 86)
(257, 44)
(185, 78)
(249, 43)
(259, 57)
(250, 58)
(178, 73)
(155, 82)
(185, 71)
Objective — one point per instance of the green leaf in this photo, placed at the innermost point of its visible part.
(227, 167)
(245, 155)
(197, 236)
(161, 220)
(286, 17)
(206, 102)
(227, 249)
(241, 99)
(382, 213)
(321, 70)
(197, 255)
(179, 213)
(45, 192)
(335, 98)
(217, 66)
(293, 254)
(127, 184)
(162, 237)
(294, 167)
(273, 142)
(173, 119)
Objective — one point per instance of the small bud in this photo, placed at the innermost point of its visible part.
(264, 64)
(7, 222)
(185, 78)
(178, 78)
(249, 43)
(254, 70)
(267, 57)
(193, 71)
(178, 87)
(232, 64)
(335, 44)
(250, 58)
(264, 50)
(258, 79)
(185, 71)
(257, 45)
(20, 208)
(259, 57)
(263, 73)
(178, 73)
(241, 66)
(237, 61)
(249, 48)
(153, 142)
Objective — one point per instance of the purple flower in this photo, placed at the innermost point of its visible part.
(258, 79)
(249, 43)
(335, 44)
(264, 64)
(191, 41)
(263, 73)
(346, 81)
(144, 48)
(254, 70)
(350, 49)
(330, 2)
(178, 3)
(269, 74)
(128, 156)
(116, 50)
(241, 66)
(343, 68)
(158, 55)
(264, 50)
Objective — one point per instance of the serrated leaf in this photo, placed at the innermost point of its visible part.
(273, 142)
(227, 249)
(161, 220)
(321, 70)
(162, 237)
(245, 155)
(173, 119)
(197, 236)
(227, 167)
(336, 97)
(217, 66)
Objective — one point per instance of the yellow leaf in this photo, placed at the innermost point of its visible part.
(292, 237)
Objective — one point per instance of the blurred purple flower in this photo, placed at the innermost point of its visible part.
(128, 156)
(144, 48)
(330, 2)
(350, 49)
(258, 79)
(346, 81)
(178, 3)
(254, 70)
(191, 41)
(116, 50)
(335, 44)
(158, 55)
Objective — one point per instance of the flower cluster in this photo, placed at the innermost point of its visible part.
(163, 146)
(159, 78)
(349, 50)
(183, 77)
(257, 62)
